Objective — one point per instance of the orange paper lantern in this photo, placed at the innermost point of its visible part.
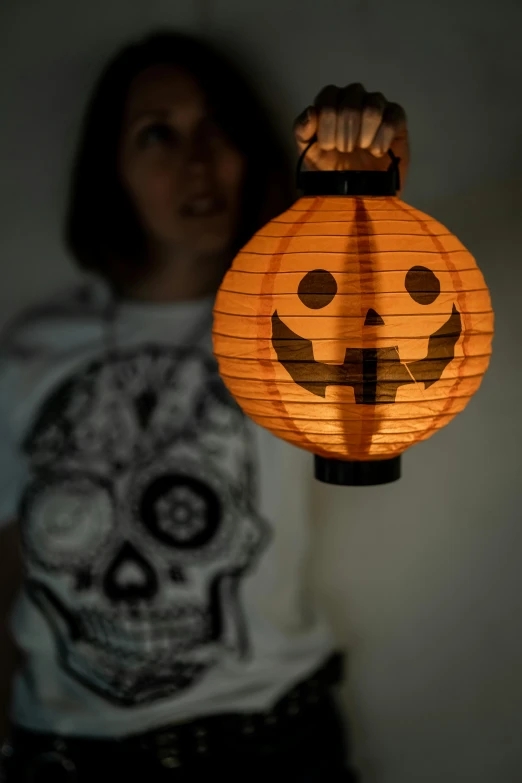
(353, 326)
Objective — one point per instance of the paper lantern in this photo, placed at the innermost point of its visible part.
(353, 326)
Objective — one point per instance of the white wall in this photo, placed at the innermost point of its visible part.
(423, 576)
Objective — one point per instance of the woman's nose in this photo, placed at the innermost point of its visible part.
(198, 162)
(199, 150)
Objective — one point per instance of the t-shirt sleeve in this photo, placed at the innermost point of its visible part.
(12, 474)
(13, 468)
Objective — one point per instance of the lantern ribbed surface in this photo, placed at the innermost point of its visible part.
(353, 327)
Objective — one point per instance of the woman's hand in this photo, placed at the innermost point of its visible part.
(355, 129)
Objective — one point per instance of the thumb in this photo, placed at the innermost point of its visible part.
(305, 126)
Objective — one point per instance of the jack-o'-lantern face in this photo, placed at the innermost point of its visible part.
(373, 371)
(353, 327)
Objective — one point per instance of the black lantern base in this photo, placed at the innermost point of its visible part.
(348, 473)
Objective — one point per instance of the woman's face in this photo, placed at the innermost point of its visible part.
(182, 173)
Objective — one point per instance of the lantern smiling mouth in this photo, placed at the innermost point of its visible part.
(375, 374)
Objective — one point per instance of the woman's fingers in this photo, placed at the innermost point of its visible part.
(305, 127)
(348, 122)
(349, 108)
(326, 106)
(393, 124)
(371, 118)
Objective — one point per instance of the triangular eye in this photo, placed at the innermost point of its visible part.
(317, 289)
(422, 285)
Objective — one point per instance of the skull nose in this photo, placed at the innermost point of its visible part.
(373, 318)
(130, 577)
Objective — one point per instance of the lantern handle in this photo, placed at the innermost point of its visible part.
(394, 165)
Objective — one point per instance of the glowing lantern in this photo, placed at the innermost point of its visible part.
(353, 325)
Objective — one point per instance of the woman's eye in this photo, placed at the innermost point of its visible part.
(158, 133)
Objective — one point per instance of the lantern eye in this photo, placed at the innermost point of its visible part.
(422, 285)
(317, 289)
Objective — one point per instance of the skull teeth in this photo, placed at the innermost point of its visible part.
(140, 633)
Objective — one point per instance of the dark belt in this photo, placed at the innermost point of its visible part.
(198, 740)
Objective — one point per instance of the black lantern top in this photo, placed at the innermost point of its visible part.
(348, 183)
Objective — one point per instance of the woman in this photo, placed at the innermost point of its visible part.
(163, 624)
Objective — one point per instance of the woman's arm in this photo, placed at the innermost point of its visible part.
(10, 582)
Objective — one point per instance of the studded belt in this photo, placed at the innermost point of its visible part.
(204, 739)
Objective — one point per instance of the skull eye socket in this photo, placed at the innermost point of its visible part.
(67, 520)
(422, 285)
(317, 289)
(181, 511)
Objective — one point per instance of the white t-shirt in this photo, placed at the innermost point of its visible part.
(165, 534)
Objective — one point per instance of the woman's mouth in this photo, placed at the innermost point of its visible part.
(202, 207)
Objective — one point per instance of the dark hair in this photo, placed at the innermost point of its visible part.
(102, 230)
